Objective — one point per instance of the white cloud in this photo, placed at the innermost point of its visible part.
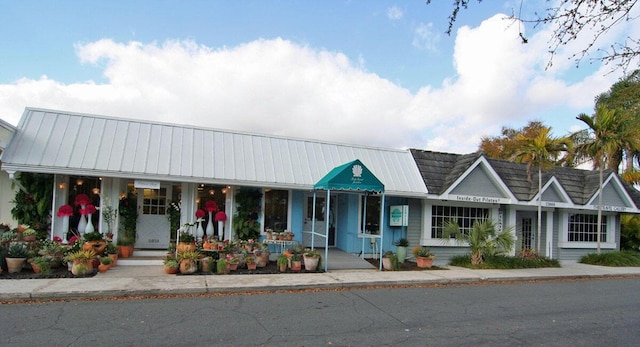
(395, 13)
(424, 37)
(280, 87)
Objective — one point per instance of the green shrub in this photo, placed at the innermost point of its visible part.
(622, 258)
(504, 262)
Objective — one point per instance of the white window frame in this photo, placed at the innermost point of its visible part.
(564, 225)
(427, 240)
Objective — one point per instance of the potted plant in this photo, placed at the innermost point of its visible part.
(109, 216)
(105, 264)
(81, 260)
(250, 261)
(188, 261)
(262, 255)
(29, 235)
(186, 242)
(311, 259)
(232, 262)
(93, 241)
(53, 252)
(390, 261)
(171, 265)
(424, 257)
(296, 262)
(129, 221)
(221, 266)
(125, 247)
(16, 257)
(112, 252)
(283, 262)
(401, 249)
(7, 237)
(40, 265)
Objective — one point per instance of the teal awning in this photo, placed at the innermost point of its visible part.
(352, 176)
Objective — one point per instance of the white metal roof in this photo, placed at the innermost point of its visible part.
(81, 144)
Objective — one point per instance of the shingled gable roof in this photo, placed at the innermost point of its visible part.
(63, 142)
(440, 170)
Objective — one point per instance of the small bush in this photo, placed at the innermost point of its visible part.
(622, 258)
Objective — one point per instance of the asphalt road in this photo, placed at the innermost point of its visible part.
(551, 313)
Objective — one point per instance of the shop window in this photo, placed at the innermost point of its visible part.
(465, 216)
(372, 217)
(276, 207)
(207, 193)
(584, 228)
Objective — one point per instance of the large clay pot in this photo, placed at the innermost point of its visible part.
(311, 263)
(14, 265)
(387, 264)
(188, 266)
(97, 247)
(185, 246)
(263, 259)
(125, 251)
(401, 252)
(81, 268)
(424, 262)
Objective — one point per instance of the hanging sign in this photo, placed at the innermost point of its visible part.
(142, 184)
(399, 216)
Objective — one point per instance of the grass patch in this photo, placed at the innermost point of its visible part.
(503, 262)
(622, 258)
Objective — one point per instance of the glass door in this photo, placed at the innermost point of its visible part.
(320, 220)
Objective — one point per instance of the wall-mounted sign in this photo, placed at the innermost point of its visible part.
(399, 216)
(142, 184)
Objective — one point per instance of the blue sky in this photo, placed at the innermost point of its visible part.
(376, 73)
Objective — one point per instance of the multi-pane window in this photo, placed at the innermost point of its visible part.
(465, 216)
(155, 201)
(584, 228)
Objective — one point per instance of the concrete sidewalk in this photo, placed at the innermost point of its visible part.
(151, 280)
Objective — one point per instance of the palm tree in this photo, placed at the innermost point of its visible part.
(483, 238)
(541, 151)
(609, 132)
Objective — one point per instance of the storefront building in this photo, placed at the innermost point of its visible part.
(159, 164)
(166, 165)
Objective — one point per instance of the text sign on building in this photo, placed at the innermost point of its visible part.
(142, 184)
(399, 216)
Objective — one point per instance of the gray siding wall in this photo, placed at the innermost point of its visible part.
(551, 195)
(478, 183)
(414, 230)
(610, 197)
(557, 234)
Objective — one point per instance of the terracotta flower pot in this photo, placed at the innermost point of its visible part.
(424, 262)
(103, 267)
(188, 266)
(125, 251)
(296, 265)
(171, 270)
(185, 246)
(97, 247)
(14, 265)
(252, 266)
